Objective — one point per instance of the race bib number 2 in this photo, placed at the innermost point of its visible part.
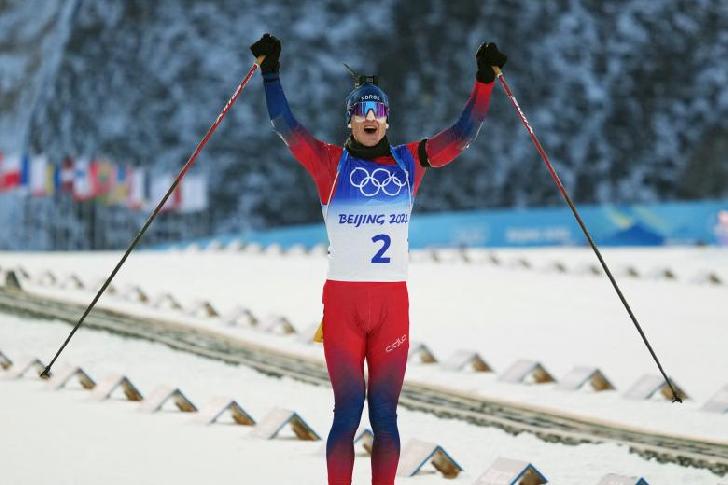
(379, 256)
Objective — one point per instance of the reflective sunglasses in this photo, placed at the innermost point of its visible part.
(362, 109)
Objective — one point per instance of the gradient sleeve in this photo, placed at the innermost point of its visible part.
(319, 158)
(415, 148)
(445, 146)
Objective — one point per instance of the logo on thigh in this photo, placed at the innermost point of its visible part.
(397, 343)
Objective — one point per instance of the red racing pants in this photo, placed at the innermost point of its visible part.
(365, 320)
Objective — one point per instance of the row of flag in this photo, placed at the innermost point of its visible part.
(109, 183)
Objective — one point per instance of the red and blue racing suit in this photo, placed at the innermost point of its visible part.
(366, 206)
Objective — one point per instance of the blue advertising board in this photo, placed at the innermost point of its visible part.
(684, 223)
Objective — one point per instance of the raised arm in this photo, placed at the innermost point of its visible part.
(319, 158)
(446, 145)
(305, 147)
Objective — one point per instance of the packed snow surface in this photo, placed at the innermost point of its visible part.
(505, 312)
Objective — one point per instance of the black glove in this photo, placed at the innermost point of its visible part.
(488, 55)
(270, 47)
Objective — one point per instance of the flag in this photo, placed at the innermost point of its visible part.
(120, 190)
(37, 175)
(159, 186)
(194, 197)
(102, 177)
(52, 178)
(10, 172)
(66, 175)
(136, 198)
(82, 187)
(24, 184)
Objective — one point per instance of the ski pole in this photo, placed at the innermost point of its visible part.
(567, 198)
(183, 171)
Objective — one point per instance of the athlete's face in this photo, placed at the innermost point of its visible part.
(368, 131)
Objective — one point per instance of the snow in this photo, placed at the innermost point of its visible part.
(504, 312)
(80, 441)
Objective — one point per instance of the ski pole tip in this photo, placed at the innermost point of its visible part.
(46, 374)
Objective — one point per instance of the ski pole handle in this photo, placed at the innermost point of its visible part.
(497, 70)
(259, 60)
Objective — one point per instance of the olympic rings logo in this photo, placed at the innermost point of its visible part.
(380, 179)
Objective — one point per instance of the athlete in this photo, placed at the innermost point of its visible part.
(366, 190)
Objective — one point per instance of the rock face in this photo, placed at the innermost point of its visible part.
(629, 101)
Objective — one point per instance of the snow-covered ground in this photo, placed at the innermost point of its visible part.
(64, 437)
(504, 312)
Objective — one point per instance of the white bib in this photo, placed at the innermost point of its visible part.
(367, 218)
